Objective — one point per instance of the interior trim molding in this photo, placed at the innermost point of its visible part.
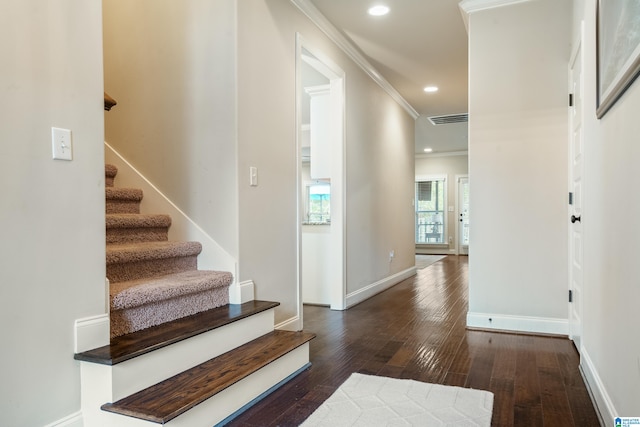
(347, 47)
(91, 332)
(242, 292)
(381, 285)
(506, 322)
(73, 420)
(601, 400)
(468, 7)
(291, 324)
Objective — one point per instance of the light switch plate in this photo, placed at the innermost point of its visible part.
(253, 176)
(62, 147)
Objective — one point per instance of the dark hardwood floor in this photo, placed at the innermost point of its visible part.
(417, 330)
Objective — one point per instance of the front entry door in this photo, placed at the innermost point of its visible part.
(576, 189)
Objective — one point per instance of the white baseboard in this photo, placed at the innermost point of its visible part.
(375, 288)
(73, 420)
(242, 292)
(291, 324)
(604, 406)
(91, 332)
(505, 322)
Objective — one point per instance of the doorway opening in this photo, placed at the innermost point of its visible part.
(320, 153)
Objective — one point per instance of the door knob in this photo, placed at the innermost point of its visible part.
(575, 218)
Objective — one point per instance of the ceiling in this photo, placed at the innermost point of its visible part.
(418, 43)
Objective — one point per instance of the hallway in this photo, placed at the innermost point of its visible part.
(417, 330)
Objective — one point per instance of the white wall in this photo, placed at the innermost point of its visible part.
(611, 350)
(518, 58)
(380, 184)
(448, 166)
(52, 249)
(317, 269)
(379, 160)
(172, 68)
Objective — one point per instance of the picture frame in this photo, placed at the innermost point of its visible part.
(617, 50)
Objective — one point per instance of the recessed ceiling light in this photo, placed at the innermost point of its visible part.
(431, 89)
(428, 150)
(378, 10)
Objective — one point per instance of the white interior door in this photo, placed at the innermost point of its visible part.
(576, 189)
(463, 215)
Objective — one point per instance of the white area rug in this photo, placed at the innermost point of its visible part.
(423, 261)
(370, 401)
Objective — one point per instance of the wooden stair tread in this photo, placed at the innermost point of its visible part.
(109, 102)
(166, 400)
(135, 344)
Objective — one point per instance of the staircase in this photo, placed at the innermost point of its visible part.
(152, 280)
(179, 352)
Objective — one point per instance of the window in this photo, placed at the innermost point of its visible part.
(430, 210)
(318, 207)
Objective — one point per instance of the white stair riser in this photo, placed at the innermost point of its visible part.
(222, 405)
(143, 371)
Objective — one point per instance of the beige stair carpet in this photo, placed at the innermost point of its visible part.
(132, 228)
(152, 280)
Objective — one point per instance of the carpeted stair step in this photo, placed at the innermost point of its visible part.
(123, 200)
(110, 172)
(142, 303)
(150, 259)
(130, 228)
(168, 399)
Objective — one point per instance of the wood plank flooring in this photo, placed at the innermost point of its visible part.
(417, 330)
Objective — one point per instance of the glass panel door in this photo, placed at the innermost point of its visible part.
(430, 211)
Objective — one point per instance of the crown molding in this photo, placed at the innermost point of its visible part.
(468, 7)
(347, 47)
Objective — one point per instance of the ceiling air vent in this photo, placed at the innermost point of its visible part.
(450, 118)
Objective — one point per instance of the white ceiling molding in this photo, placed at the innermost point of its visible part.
(343, 43)
(468, 7)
